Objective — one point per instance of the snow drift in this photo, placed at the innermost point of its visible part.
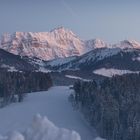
(42, 129)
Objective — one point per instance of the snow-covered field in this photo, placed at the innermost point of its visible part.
(60, 114)
(111, 72)
(76, 77)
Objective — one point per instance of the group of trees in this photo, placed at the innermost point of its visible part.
(15, 85)
(111, 106)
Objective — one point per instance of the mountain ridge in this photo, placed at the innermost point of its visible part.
(58, 43)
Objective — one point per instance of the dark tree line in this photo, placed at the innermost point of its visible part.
(112, 106)
(15, 85)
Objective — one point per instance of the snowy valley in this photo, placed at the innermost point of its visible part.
(68, 123)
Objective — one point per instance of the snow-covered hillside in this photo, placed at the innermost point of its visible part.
(42, 129)
(90, 57)
(99, 58)
(53, 104)
(61, 61)
(99, 54)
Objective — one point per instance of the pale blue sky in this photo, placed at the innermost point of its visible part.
(110, 20)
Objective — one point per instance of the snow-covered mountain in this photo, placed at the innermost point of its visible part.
(127, 59)
(85, 59)
(61, 50)
(96, 64)
(96, 43)
(127, 44)
(59, 42)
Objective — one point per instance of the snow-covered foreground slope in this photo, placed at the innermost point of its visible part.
(53, 104)
(42, 129)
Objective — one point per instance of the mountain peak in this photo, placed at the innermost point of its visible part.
(132, 43)
(59, 42)
(127, 44)
(59, 28)
(96, 43)
(63, 31)
(99, 43)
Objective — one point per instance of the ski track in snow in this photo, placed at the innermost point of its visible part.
(53, 104)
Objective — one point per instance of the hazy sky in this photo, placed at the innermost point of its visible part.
(110, 20)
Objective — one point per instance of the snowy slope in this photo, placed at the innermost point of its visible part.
(99, 54)
(11, 62)
(90, 57)
(111, 72)
(61, 61)
(53, 104)
(76, 77)
(100, 58)
(42, 129)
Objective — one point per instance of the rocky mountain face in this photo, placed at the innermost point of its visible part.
(58, 43)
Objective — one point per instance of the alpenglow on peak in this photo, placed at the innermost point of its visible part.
(58, 43)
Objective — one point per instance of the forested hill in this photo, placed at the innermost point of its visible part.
(112, 107)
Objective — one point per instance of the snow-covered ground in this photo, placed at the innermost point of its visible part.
(61, 61)
(42, 129)
(10, 68)
(53, 104)
(111, 72)
(76, 77)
